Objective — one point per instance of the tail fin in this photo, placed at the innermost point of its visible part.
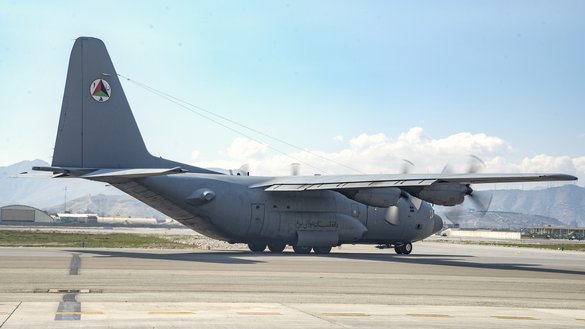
(96, 127)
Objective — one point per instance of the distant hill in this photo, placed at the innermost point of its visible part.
(503, 220)
(39, 190)
(564, 205)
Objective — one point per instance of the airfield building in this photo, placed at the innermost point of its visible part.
(558, 232)
(21, 214)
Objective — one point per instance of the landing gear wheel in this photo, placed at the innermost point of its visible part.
(322, 250)
(257, 246)
(302, 250)
(277, 247)
(398, 249)
(407, 248)
(403, 248)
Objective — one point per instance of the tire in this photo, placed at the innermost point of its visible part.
(302, 250)
(398, 250)
(407, 248)
(277, 247)
(257, 246)
(322, 250)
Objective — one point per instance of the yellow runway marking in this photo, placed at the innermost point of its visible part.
(259, 313)
(345, 314)
(78, 313)
(510, 317)
(170, 313)
(429, 315)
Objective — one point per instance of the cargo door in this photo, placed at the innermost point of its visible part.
(256, 219)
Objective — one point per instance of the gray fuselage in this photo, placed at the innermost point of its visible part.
(226, 208)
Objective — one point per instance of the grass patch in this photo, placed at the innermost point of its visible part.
(553, 246)
(10, 238)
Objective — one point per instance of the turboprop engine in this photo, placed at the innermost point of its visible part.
(378, 197)
(445, 194)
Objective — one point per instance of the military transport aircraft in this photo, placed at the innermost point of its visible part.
(98, 139)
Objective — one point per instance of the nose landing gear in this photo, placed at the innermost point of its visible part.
(405, 248)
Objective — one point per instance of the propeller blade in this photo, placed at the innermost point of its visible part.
(295, 169)
(475, 164)
(416, 202)
(393, 215)
(406, 166)
(455, 214)
(245, 168)
(447, 169)
(481, 201)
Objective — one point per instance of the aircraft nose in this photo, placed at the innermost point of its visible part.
(438, 226)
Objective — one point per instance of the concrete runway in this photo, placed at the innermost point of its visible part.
(438, 286)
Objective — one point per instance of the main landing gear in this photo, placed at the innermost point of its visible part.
(257, 246)
(307, 250)
(278, 247)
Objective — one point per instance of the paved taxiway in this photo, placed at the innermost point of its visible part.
(439, 286)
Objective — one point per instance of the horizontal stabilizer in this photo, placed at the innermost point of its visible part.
(94, 173)
(132, 173)
(66, 171)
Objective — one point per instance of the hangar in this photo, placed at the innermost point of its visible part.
(16, 214)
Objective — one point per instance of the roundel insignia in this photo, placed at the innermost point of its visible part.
(100, 90)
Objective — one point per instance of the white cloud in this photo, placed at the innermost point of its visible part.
(579, 164)
(338, 138)
(194, 155)
(244, 148)
(547, 163)
(378, 153)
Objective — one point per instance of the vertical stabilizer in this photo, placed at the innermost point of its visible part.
(96, 127)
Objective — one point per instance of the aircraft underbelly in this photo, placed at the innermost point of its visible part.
(175, 210)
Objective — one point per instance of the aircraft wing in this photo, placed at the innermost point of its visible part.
(403, 181)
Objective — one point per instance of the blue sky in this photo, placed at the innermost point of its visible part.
(365, 83)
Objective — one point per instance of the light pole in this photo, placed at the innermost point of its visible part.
(65, 203)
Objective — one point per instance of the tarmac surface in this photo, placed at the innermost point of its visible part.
(440, 285)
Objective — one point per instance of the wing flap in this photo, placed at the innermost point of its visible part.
(347, 185)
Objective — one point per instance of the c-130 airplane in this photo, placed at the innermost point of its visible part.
(99, 140)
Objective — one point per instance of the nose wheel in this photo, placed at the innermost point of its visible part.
(405, 248)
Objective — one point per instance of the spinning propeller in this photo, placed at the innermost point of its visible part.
(480, 200)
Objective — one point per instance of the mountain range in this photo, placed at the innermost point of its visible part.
(562, 205)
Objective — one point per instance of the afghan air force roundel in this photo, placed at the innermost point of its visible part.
(100, 90)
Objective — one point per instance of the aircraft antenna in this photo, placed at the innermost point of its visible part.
(179, 103)
(190, 108)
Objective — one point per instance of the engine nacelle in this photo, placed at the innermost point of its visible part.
(378, 197)
(444, 194)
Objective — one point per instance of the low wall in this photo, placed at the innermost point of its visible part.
(482, 234)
